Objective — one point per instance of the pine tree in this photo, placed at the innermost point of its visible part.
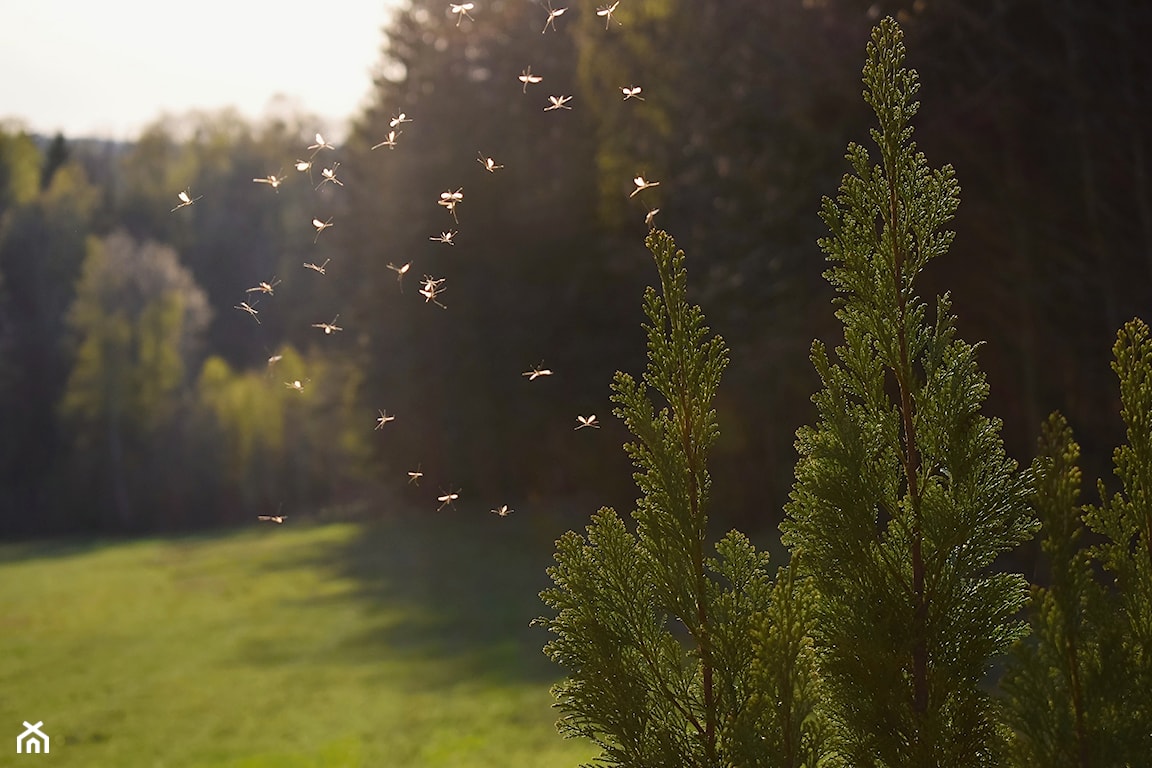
(904, 496)
(657, 635)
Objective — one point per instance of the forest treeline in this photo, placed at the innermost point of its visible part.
(135, 395)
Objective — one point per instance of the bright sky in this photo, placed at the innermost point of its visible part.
(108, 67)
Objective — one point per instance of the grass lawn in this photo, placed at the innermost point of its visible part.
(397, 643)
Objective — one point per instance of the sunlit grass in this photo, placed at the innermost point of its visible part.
(402, 643)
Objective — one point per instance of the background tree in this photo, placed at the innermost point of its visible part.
(904, 496)
(138, 320)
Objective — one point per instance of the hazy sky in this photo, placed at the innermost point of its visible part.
(108, 67)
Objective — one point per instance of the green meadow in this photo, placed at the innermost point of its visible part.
(398, 643)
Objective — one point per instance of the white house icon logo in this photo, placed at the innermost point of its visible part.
(33, 740)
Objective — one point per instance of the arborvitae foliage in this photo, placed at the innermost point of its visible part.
(904, 496)
(1125, 522)
(1055, 686)
(656, 634)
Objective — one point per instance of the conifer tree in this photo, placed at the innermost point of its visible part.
(904, 496)
(656, 633)
(1055, 684)
(1124, 520)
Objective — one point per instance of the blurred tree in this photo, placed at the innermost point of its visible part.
(138, 319)
(54, 158)
(526, 279)
(41, 248)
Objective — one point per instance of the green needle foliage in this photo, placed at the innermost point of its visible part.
(655, 631)
(904, 496)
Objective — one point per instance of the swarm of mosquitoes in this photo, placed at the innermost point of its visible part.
(431, 288)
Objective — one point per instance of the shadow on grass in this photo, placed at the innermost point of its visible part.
(453, 590)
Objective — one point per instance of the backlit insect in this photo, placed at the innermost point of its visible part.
(400, 272)
(263, 287)
(449, 200)
(552, 15)
(528, 78)
(414, 477)
(319, 145)
(632, 92)
(461, 10)
(383, 419)
(321, 226)
(274, 359)
(587, 421)
(295, 386)
(246, 307)
(607, 11)
(303, 165)
(329, 328)
(650, 217)
(272, 518)
(488, 163)
(537, 372)
(503, 510)
(397, 121)
(317, 268)
(389, 142)
(185, 200)
(641, 185)
(272, 181)
(558, 102)
(431, 289)
(445, 237)
(329, 175)
(446, 499)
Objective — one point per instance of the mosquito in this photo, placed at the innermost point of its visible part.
(319, 145)
(537, 372)
(503, 510)
(272, 518)
(302, 165)
(185, 200)
(528, 78)
(607, 11)
(431, 290)
(588, 421)
(295, 386)
(446, 499)
(399, 120)
(400, 272)
(274, 359)
(552, 15)
(383, 419)
(272, 181)
(461, 10)
(246, 307)
(329, 328)
(558, 102)
(449, 200)
(445, 237)
(414, 477)
(632, 92)
(329, 175)
(320, 227)
(641, 185)
(389, 142)
(315, 268)
(488, 163)
(650, 217)
(263, 287)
